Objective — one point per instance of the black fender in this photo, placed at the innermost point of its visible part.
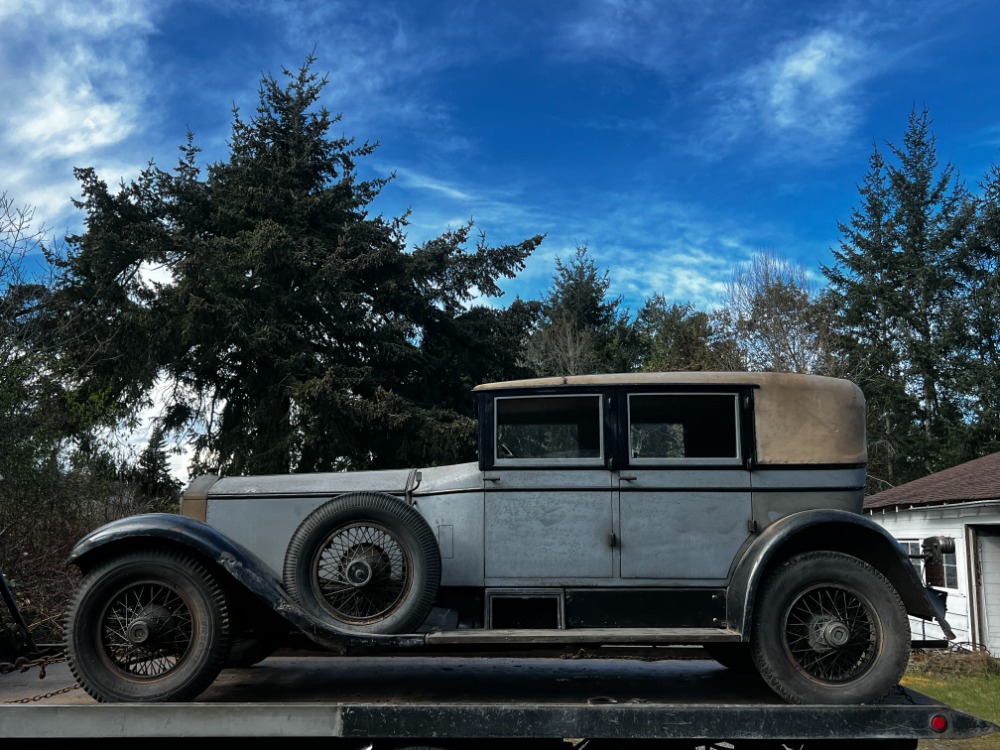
(243, 567)
(836, 530)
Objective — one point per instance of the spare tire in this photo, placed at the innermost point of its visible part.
(366, 563)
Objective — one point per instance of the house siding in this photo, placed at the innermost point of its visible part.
(957, 521)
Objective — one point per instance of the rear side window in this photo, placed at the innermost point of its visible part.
(549, 428)
(683, 427)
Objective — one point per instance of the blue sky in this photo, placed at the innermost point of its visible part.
(674, 139)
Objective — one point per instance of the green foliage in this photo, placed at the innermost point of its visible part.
(677, 337)
(968, 682)
(299, 330)
(900, 287)
(979, 377)
(59, 481)
(152, 470)
(581, 329)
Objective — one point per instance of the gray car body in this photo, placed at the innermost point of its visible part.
(613, 525)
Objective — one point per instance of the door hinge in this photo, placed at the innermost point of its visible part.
(613, 539)
(752, 526)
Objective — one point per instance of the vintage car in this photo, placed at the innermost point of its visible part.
(718, 509)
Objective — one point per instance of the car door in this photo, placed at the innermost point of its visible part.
(684, 491)
(548, 504)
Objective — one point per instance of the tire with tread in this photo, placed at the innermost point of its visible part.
(828, 628)
(147, 626)
(366, 562)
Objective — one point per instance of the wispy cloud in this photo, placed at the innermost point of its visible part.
(750, 74)
(669, 247)
(72, 87)
(415, 180)
(379, 57)
(69, 116)
(653, 35)
(805, 92)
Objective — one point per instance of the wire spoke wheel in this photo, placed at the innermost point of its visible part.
(364, 563)
(147, 630)
(831, 633)
(147, 625)
(362, 572)
(828, 628)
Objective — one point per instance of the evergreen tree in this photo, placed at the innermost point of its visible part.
(152, 470)
(896, 285)
(980, 376)
(581, 329)
(679, 337)
(299, 331)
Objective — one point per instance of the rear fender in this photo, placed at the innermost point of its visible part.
(835, 530)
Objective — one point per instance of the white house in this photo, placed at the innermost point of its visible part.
(962, 502)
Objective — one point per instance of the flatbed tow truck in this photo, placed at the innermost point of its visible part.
(630, 699)
(629, 520)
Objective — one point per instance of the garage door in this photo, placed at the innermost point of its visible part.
(989, 577)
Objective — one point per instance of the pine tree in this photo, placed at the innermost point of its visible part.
(896, 286)
(299, 331)
(582, 330)
(980, 376)
(152, 470)
(677, 337)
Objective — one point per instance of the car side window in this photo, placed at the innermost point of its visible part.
(683, 427)
(548, 428)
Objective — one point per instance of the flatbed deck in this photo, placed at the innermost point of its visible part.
(447, 698)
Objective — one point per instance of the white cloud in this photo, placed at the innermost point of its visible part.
(73, 86)
(790, 85)
(648, 34)
(413, 179)
(807, 85)
(680, 271)
(94, 18)
(802, 99)
(670, 247)
(68, 117)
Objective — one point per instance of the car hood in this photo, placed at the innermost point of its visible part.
(392, 481)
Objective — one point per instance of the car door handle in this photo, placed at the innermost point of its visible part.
(491, 477)
(627, 477)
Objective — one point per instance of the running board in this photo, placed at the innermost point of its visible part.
(583, 636)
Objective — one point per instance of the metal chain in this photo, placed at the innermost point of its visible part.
(23, 664)
(902, 692)
(44, 696)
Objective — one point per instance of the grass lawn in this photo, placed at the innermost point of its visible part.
(969, 682)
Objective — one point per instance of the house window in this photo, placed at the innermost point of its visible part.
(950, 570)
(676, 426)
(913, 548)
(536, 428)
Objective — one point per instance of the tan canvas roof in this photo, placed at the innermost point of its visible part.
(801, 419)
(652, 378)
